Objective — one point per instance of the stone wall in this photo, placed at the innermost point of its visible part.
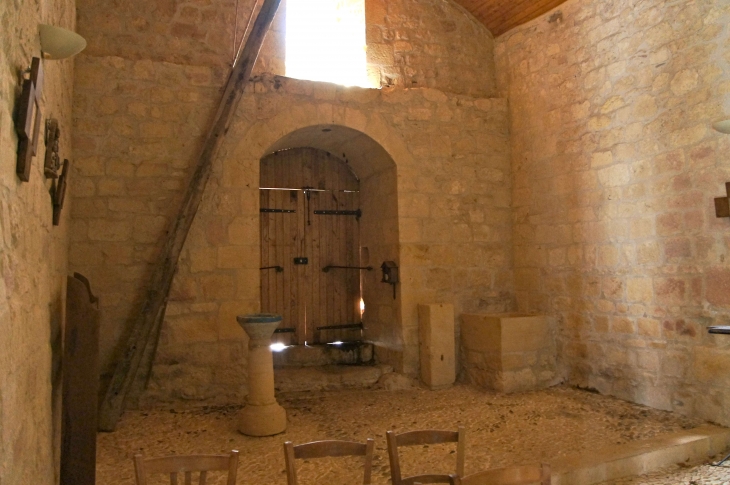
(442, 221)
(32, 255)
(146, 89)
(615, 165)
(411, 43)
(429, 43)
(138, 125)
(452, 201)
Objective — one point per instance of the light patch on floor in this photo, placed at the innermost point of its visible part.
(682, 475)
(501, 429)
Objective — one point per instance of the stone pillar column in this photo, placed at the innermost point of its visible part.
(262, 415)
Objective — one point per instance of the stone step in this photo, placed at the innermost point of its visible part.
(328, 377)
(689, 447)
(347, 353)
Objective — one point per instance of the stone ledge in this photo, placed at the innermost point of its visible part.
(637, 458)
(328, 377)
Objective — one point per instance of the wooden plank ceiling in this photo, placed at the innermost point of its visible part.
(501, 15)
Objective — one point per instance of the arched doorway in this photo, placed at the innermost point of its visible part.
(310, 246)
(377, 224)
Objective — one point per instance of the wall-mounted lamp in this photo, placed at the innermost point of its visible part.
(722, 126)
(60, 43)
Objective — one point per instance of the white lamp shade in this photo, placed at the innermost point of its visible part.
(60, 43)
(722, 126)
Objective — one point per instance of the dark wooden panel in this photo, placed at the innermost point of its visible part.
(499, 16)
(80, 384)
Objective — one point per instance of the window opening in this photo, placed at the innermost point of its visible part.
(325, 41)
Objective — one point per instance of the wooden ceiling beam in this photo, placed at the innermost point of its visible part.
(507, 9)
(498, 19)
(529, 14)
(500, 16)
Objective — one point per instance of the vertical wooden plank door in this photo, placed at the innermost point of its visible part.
(310, 212)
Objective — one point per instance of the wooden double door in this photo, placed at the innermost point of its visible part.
(310, 246)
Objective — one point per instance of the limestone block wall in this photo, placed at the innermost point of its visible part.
(138, 126)
(219, 276)
(614, 166)
(431, 43)
(33, 255)
(145, 91)
(453, 200)
(380, 235)
(411, 43)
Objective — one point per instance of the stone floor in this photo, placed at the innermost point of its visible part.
(501, 429)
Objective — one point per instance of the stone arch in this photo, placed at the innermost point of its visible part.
(262, 137)
(374, 154)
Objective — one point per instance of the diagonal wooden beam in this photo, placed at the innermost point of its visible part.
(161, 281)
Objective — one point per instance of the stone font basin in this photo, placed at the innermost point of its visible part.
(259, 325)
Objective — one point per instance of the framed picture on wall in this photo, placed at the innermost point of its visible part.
(29, 119)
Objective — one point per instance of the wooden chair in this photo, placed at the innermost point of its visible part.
(186, 465)
(509, 475)
(424, 437)
(321, 449)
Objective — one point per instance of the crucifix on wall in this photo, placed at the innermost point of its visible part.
(722, 204)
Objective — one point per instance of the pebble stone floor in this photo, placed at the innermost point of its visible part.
(501, 429)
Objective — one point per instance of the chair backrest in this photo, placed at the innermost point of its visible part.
(510, 475)
(424, 437)
(186, 465)
(321, 449)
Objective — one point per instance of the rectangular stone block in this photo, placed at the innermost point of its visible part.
(436, 342)
(504, 332)
(519, 350)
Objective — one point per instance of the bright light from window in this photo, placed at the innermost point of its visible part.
(277, 347)
(362, 307)
(325, 41)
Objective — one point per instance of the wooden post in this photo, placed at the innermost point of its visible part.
(154, 307)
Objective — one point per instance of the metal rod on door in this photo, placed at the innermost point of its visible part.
(327, 268)
(341, 327)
